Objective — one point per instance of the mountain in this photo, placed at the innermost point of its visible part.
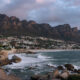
(13, 26)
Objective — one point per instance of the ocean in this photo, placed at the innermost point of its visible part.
(40, 63)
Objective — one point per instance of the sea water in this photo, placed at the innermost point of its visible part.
(41, 62)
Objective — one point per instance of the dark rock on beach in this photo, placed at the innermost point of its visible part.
(64, 75)
(4, 76)
(5, 62)
(77, 71)
(16, 59)
(40, 77)
(69, 67)
(60, 68)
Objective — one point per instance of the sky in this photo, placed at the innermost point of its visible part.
(54, 12)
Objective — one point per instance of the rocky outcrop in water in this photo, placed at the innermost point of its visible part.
(5, 61)
(4, 76)
(60, 73)
(16, 59)
(69, 67)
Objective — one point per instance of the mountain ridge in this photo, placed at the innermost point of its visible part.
(13, 26)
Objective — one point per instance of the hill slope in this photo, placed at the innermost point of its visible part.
(12, 26)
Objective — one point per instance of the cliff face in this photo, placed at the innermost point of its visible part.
(14, 27)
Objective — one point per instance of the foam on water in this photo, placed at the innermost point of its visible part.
(43, 57)
(76, 67)
(36, 60)
(27, 60)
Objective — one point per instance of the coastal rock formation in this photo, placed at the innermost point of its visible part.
(3, 55)
(69, 67)
(55, 73)
(64, 75)
(4, 76)
(16, 59)
(60, 68)
(59, 74)
(77, 71)
(40, 77)
(5, 62)
(4, 58)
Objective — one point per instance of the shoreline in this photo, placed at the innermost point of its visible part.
(36, 50)
(52, 50)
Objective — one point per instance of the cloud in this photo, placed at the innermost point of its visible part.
(44, 11)
(44, 1)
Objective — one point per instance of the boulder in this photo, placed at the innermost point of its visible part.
(39, 77)
(5, 62)
(49, 76)
(76, 71)
(16, 59)
(3, 55)
(64, 75)
(69, 67)
(4, 76)
(56, 73)
(60, 68)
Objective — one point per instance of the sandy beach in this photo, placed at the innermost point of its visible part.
(52, 50)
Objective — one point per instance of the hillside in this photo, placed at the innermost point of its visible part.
(12, 26)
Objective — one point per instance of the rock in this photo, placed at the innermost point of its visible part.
(76, 71)
(69, 67)
(60, 68)
(56, 73)
(4, 76)
(3, 55)
(39, 77)
(35, 77)
(50, 76)
(64, 74)
(16, 59)
(30, 68)
(5, 62)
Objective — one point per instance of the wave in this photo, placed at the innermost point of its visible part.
(27, 60)
(43, 57)
(76, 67)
